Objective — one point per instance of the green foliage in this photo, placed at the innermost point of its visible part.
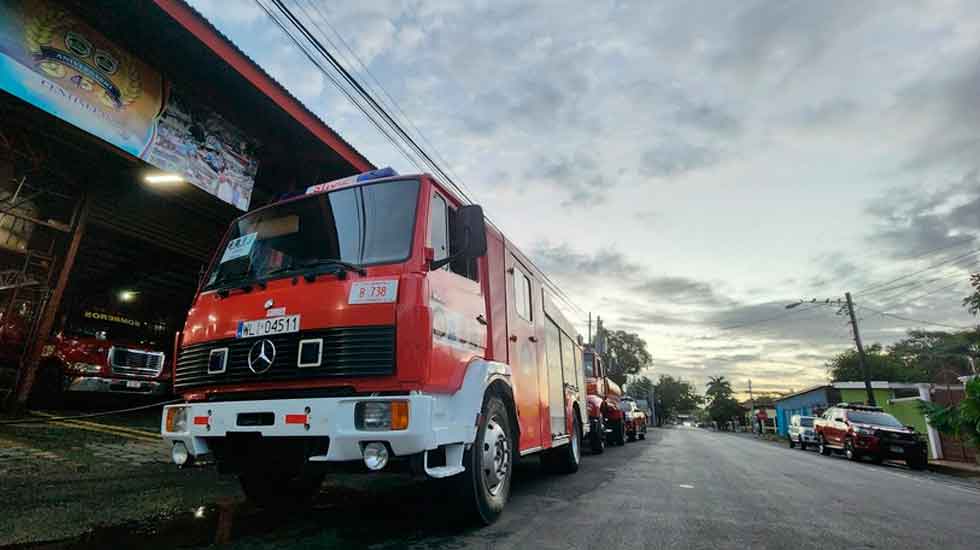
(641, 388)
(722, 406)
(972, 302)
(846, 367)
(627, 354)
(962, 420)
(673, 396)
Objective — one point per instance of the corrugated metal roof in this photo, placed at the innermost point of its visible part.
(165, 4)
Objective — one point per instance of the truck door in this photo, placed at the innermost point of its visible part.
(556, 381)
(522, 352)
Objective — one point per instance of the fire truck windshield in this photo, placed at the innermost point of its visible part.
(363, 225)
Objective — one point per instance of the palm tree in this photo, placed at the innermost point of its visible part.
(717, 387)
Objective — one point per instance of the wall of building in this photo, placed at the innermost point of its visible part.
(804, 405)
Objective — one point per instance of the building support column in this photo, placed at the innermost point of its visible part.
(935, 444)
(32, 356)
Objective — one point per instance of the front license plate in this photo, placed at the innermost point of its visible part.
(132, 384)
(897, 449)
(264, 327)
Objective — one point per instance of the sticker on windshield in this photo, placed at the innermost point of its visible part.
(373, 292)
(242, 246)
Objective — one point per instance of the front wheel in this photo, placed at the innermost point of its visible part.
(565, 459)
(618, 432)
(792, 444)
(850, 453)
(917, 463)
(643, 434)
(802, 444)
(597, 437)
(824, 449)
(486, 481)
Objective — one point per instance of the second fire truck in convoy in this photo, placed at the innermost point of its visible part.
(376, 319)
(605, 413)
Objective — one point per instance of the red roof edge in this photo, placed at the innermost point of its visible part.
(204, 31)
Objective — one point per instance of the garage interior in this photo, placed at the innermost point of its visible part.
(81, 229)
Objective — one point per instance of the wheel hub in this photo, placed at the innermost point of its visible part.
(496, 456)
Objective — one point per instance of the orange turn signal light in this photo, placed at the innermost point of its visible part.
(399, 415)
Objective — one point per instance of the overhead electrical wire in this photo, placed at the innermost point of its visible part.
(868, 290)
(909, 319)
(371, 105)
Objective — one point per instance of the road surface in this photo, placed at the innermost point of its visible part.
(682, 488)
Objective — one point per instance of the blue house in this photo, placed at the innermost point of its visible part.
(809, 402)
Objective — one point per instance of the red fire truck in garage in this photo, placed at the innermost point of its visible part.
(375, 319)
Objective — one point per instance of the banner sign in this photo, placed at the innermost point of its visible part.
(55, 61)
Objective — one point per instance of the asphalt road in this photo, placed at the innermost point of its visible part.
(682, 488)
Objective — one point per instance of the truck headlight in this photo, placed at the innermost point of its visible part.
(381, 415)
(87, 368)
(176, 419)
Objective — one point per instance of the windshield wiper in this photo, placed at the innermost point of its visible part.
(344, 267)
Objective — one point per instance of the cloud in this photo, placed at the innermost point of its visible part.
(908, 222)
(682, 291)
(675, 157)
(563, 260)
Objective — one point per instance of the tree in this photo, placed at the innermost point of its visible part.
(972, 302)
(716, 387)
(961, 420)
(846, 367)
(722, 406)
(627, 354)
(641, 388)
(673, 396)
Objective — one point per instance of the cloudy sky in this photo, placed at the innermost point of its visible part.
(685, 169)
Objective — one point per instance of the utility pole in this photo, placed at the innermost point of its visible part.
(860, 347)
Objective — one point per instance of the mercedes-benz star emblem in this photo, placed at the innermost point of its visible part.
(261, 356)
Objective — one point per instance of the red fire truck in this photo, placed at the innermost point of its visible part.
(605, 414)
(375, 319)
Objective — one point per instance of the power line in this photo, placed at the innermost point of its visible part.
(893, 300)
(773, 318)
(911, 320)
(377, 82)
(338, 85)
(867, 290)
(377, 108)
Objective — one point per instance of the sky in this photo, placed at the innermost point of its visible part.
(686, 169)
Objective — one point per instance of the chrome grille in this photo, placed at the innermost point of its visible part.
(135, 362)
(346, 352)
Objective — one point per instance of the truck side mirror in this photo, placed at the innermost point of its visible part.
(471, 227)
(471, 230)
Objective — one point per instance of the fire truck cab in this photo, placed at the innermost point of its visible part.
(606, 418)
(376, 319)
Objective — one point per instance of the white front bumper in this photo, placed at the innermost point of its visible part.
(432, 423)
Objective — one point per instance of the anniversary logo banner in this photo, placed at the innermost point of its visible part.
(52, 59)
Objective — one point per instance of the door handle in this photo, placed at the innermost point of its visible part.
(481, 319)
(513, 337)
(533, 339)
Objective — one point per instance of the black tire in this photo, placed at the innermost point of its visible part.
(565, 459)
(618, 433)
(850, 452)
(792, 444)
(278, 490)
(48, 391)
(802, 445)
(917, 462)
(631, 434)
(643, 434)
(485, 485)
(597, 437)
(824, 449)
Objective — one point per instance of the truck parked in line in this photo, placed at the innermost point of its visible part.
(96, 353)
(634, 418)
(861, 431)
(605, 413)
(375, 319)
